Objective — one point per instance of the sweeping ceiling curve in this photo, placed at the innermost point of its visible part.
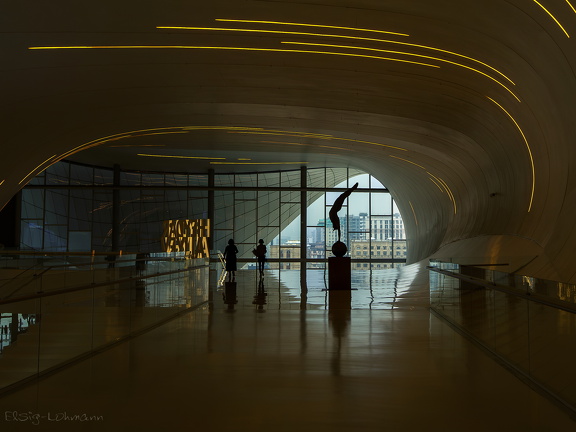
(464, 110)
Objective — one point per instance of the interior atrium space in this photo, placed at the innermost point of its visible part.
(288, 215)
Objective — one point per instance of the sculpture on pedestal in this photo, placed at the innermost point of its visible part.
(339, 249)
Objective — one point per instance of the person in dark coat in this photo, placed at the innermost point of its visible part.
(230, 258)
(260, 253)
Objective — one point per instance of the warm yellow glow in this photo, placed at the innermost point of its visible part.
(280, 133)
(137, 145)
(186, 235)
(345, 37)
(305, 145)
(180, 157)
(312, 25)
(268, 31)
(448, 190)
(570, 4)
(146, 132)
(553, 17)
(221, 128)
(2, 182)
(34, 170)
(437, 185)
(529, 152)
(406, 160)
(439, 182)
(237, 49)
(408, 54)
(413, 212)
(324, 137)
(258, 163)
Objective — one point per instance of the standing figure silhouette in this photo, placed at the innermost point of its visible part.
(230, 257)
(260, 253)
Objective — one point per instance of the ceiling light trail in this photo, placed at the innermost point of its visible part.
(259, 163)
(231, 48)
(533, 168)
(447, 189)
(553, 17)
(408, 54)
(437, 184)
(305, 145)
(34, 170)
(406, 160)
(438, 179)
(116, 137)
(330, 137)
(137, 145)
(413, 212)
(342, 37)
(312, 25)
(289, 134)
(570, 4)
(180, 157)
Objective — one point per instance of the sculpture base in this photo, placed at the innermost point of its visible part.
(339, 273)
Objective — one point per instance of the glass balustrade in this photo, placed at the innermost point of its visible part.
(53, 314)
(527, 323)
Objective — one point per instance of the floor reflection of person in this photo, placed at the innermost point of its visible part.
(230, 259)
(260, 297)
(229, 295)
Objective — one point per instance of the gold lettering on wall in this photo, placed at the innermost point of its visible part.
(187, 235)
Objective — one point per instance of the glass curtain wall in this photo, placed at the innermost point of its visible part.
(69, 208)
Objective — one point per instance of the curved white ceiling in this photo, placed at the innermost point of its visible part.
(467, 114)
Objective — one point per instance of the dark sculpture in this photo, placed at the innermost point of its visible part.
(339, 249)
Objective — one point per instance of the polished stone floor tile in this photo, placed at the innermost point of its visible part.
(272, 357)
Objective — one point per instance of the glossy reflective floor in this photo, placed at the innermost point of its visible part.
(271, 356)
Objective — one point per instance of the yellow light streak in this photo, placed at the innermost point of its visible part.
(137, 145)
(448, 190)
(279, 133)
(312, 25)
(342, 37)
(180, 157)
(529, 152)
(114, 137)
(406, 160)
(438, 179)
(234, 48)
(34, 170)
(445, 186)
(220, 128)
(437, 185)
(553, 17)
(570, 4)
(2, 182)
(305, 145)
(325, 137)
(259, 163)
(408, 54)
(413, 212)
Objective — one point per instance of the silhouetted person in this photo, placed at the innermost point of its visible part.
(230, 258)
(337, 206)
(260, 253)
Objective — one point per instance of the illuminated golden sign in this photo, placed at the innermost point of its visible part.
(188, 235)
